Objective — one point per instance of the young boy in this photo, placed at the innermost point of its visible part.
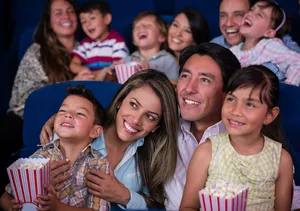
(262, 27)
(77, 124)
(102, 46)
(149, 36)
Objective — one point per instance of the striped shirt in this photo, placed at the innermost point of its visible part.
(99, 54)
(258, 172)
(271, 50)
(75, 191)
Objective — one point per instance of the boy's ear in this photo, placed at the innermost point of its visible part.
(162, 38)
(107, 18)
(272, 114)
(96, 131)
(271, 33)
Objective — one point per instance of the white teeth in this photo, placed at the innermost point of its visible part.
(191, 102)
(235, 123)
(231, 30)
(67, 124)
(67, 24)
(176, 41)
(129, 128)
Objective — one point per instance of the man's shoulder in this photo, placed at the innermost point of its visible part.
(221, 41)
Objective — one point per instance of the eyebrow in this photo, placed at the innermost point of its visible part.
(249, 98)
(78, 107)
(142, 106)
(209, 75)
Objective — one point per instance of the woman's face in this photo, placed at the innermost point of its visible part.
(139, 114)
(63, 19)
(180, 34)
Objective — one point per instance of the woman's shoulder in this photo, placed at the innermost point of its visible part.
(33, 49)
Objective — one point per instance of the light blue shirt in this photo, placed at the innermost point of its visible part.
(288, 42)
(127, 172)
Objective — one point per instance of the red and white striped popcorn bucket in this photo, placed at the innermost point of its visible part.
(215, 203)
(124, 71)
(27, 183)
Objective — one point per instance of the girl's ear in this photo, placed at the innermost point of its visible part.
(271, 115)
(271, 33)
(96, 131)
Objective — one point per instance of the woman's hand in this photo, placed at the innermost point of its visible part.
(107, 187)
(85, 74)
(59, 173)
(46, 134)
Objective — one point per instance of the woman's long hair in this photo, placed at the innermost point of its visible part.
(55, 58)
(157, 157)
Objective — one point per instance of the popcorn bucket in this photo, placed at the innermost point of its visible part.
(124, 71)
(27, 183)
(217, 203)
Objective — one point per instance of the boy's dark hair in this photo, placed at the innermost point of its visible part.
(225, 59)
(101, 6)
(81, 91)
(262, 78)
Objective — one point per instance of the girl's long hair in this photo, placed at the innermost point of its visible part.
(157, 157)
(55, 58)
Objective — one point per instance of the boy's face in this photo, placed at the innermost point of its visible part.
(75, 119)
(146, 33)
(257, 22)
(95, 25)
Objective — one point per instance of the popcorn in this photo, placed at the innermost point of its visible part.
(29, 165)
(27, 177)
(223, 196)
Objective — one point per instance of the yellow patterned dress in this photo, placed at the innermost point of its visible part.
(258, 172)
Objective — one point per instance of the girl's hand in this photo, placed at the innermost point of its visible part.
(15, 205)
(46, 134)
(49, 201)
(107, 186)
(58, 173)
(143, 65)
(85, 74)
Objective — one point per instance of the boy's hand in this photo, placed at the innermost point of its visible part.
(49, 201)
(85, 74)
(143, 65)
(15, 205)
(59, 173)
(107, 186)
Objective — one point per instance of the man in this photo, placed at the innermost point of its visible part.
(230, 20)
(204, 72)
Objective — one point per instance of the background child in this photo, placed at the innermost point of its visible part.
(77, 123)
(149, 36)
(260, 26)
(251, 153)
(102, 47)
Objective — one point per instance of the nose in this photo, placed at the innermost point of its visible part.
(229, 21)
(178, 32)
(237, 110)
(191, 87)
(137, 119)
(68, 115)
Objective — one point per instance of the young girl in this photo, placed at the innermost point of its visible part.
(251, 153)
(262, 27)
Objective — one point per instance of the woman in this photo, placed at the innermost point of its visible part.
(189, 27)
(45, 62)
(139, 140)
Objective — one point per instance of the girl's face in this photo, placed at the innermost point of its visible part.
(243, 114)
(63, 20)
(138, 115)
(180, 34)
(257, 22)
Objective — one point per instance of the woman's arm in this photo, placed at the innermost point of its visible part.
(284, 183)
(196, 177)
(76, 65)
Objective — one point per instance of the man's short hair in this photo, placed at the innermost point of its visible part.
(224, 58)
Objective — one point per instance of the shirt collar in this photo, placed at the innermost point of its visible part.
(137, 56)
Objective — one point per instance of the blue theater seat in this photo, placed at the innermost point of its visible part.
(44, 102)
(289, 103)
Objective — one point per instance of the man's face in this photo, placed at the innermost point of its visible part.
(199, 90)
(231, 16)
